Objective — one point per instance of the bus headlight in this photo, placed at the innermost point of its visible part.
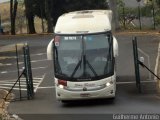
(109, 83)
(61, 86)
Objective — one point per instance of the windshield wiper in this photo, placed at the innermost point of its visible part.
(58, 65)
(77, 66)
(86, 62)
(109, 57)
(91, 67)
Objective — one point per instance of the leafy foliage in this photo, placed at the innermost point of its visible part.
(62, 6)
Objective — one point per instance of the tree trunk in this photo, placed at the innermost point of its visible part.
(31, 27)
(30, 16)
(13, 12)
(48, 6)
(42, 22)
(115, 18)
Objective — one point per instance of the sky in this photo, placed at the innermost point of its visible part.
(3, 1)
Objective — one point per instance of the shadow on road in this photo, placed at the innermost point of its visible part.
(88, 103)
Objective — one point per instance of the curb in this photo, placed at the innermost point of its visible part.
(121, 32)
(139, 33)
(20, 35)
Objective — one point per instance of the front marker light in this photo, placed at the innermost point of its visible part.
(61, 86)
(108, 84)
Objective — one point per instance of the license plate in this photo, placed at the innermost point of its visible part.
(85, 95)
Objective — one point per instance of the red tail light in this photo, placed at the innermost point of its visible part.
(62, 82)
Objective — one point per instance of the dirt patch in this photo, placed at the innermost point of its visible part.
(5, 100)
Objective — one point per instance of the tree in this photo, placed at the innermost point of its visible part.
(20, 21)
(63, 6)
(52, 9)
(39, 10)
(48, 10)
(29, 11)
(113, 7)
(158, 3)
(43, 9)
(13, 12)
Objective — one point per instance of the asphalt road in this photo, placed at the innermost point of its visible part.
(128, 100)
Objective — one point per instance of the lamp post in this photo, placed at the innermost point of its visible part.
(124, 20)
(0, 21)
(153, 13)
(139, 14)
(1, 30)
(42, 22)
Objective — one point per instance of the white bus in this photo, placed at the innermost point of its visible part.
(83, 51)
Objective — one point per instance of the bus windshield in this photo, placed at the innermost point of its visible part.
(83, 57)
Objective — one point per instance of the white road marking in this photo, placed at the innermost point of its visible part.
(48, 87)
(36, 87)
(33, 61)
(39, 68)
(22, 84)
(5, 72)
(7, 84)
(133, 82)
(8, 57)
(38, 54)
(22, 79)
(8, 64)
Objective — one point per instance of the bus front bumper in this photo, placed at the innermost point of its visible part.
(107, 92)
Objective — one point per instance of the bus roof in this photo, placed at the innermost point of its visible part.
(87, 21)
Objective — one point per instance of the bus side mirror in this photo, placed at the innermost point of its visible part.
(50, 50)
(115, 47)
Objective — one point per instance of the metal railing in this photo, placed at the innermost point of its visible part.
(26, 73)
(138, 63)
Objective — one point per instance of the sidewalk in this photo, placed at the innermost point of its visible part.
(139, 32)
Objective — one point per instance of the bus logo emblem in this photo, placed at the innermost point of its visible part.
(84, 89)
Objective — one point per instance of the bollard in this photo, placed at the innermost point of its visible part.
(136, 64)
